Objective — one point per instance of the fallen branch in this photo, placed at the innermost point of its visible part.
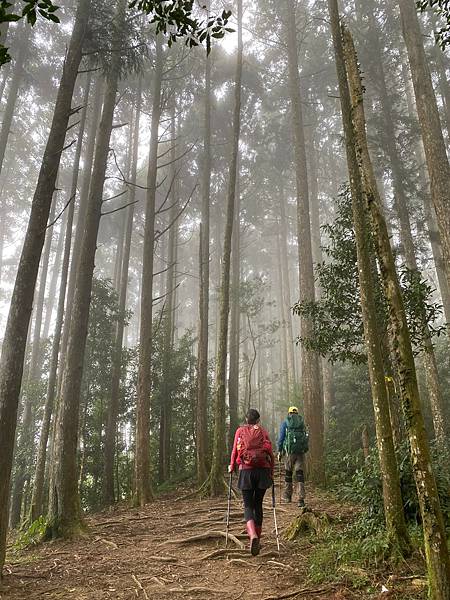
(275, 563)
(139, 584)
(108, 543)
(166, 559)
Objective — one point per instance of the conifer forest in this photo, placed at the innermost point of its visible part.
(224, 299)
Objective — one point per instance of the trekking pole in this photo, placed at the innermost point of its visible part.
(275, 517)
(228, 508)
(279, 478)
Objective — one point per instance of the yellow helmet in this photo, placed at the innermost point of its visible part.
(293, 409)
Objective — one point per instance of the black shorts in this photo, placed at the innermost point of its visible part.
(254, 479)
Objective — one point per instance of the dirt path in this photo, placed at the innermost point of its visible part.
(130, 554)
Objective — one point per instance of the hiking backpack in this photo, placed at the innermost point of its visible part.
(296, 439)
(253, 448)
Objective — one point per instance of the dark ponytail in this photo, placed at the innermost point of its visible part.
(252, 416)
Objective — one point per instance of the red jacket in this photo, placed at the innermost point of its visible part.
(235, 454)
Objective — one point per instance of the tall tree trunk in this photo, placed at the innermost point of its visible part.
(111, 423)
(406, 238)
(88, 158)
(13, 349)
(235, 319)
(283, 315)
(25, 444)
(65, 511)
(143, 492)
(37, 504)
(169, 317)
(436, 550)
(433, 141)
(54, 281)
(392, 500)
(287, 298)
(313, 402)
(13, 92)
(219, 443)
(201, 429)
(430, 215)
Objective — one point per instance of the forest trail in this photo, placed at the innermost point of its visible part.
(129, 554)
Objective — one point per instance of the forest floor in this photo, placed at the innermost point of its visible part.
(146, 554)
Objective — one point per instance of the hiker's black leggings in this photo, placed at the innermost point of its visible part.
(253, 509)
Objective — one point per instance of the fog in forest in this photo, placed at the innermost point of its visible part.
(212, 207)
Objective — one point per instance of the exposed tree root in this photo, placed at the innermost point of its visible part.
(224, 552)
(196, 589)
(241, 562)
(208, 535)
(299, 592)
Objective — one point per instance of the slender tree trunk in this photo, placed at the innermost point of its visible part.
(285, 370)
(65, 511)
(111, 423)
(433, 141)
(25, 445)
(35, 364)
(13, 92)
(406, 238)
(393, 505)
(436, 550)
(13, 349)
(143, 492)
(166, 407)
(235, 319)
(430, 215)
(53, 282)
(313, 401)
(219, 444)
(88, 159)
(202, 385)
(37, 504)
(287, 298)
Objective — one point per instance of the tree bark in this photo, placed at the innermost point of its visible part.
(65, 511)
(203, 341)
(313, 402)
(37, 499)
(25, 443)
(143, 492)
(219, 443)
(111, 423)
(88, 159)
(436, 550)
(392, 500)
(406, 238)
(13, 349)
(235, 320)
(287, 298)
(50, 303)
(169, 318)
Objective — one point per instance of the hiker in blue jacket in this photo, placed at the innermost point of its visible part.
(293, 445)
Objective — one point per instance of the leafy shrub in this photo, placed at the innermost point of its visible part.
(365, 488)
(33, 534)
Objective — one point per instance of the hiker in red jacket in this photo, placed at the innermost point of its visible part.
(252, 451)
